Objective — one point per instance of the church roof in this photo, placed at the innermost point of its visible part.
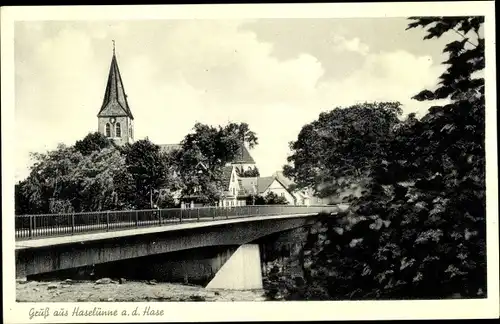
(243, 156)
(115, 102)
(167, 148)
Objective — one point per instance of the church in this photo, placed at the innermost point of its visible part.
(116, 121)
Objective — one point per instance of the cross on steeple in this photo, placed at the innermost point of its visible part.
(113, 47)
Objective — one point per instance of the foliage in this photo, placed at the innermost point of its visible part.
(148, 168)
(64, 180)
(465, 56)
(419, 231)
(51, 178)
(242, 132)
(95, 175)
(21, 200)
(249, 173)
(165, 200)
(105, 183)
(273, 199)
(343, 143)
(270, 199)
(93, 142)
(204, 153)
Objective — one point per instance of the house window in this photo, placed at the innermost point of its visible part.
(108, 130)
(118, 131)
(234, 191)
(282, 194)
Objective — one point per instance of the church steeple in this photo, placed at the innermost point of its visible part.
(115, 117)
(115, 100)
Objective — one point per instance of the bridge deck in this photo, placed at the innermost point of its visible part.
(69, 239)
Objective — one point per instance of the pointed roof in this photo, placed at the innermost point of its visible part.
(115, 102)
(287, 182)
(243, 156)
(258, 184)
(227, 171)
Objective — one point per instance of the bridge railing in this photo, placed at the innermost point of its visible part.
(46, 225)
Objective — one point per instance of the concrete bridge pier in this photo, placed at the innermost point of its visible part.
(242, 271)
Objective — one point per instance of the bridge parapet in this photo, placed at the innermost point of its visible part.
(49, 225)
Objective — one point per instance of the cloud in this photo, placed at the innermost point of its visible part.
(179, 72)
(341, 43)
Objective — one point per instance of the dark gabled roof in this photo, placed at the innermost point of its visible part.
(263, 183)
(287, 182)
(259, 183)
(243, 156)
(248, 185)
(115, 102)
(226, 175)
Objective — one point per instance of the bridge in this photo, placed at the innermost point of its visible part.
(54, 242)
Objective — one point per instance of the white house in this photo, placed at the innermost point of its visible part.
(263, 185)
(233, 194)
(302, 197)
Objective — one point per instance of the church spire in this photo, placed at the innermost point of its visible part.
(115, 100)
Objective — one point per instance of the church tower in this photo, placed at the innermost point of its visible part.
(115, 120)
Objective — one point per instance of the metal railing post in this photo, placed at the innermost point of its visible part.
(31, 226)
(180, 218)
(136, 218)
(72, 223)
(107, 220)
(198, 215)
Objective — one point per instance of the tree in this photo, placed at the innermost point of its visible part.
(22, 203)
(147, 166)
(270, 198)
(250, 173)
(419, 230)
(273, 199)
(93, 142)
(50, 186)
(204, 153)
(104, 181)
(343, 143)
(242, 132)
(64, 180)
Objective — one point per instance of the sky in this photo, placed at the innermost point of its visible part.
(274, 74)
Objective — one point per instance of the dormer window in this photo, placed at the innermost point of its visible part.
(118, 130)
(108, 130)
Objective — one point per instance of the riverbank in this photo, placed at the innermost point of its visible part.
(129, 291)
